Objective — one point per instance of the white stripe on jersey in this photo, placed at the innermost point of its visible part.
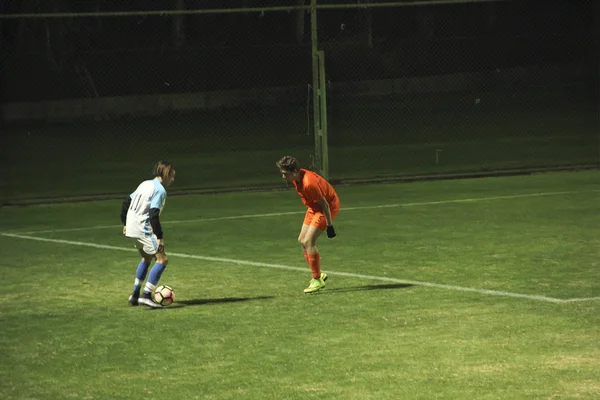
(149, 194)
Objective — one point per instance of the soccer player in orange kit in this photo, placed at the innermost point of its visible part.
(323, 205)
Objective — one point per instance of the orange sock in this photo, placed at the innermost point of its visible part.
(306, 256)
(314, 261)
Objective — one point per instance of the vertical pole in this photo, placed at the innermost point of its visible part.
(369, 25)
(299, 29)
(596, 62)
(316, 90)
(179, 24)
(323, 111)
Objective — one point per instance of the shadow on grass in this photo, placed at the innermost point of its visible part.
(199, 302)
(328, 290)
(364, 288)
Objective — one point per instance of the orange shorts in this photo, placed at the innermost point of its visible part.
(317, 218)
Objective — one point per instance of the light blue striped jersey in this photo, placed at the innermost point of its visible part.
(149, 194)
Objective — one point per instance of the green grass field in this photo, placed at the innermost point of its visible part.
(461, 289)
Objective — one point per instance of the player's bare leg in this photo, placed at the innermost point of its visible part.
(308, 240)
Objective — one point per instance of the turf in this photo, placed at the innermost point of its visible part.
(476, 288)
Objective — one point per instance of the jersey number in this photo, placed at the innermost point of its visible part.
(135, 204)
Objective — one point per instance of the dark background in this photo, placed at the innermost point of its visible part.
(412, 92)
(218, 51)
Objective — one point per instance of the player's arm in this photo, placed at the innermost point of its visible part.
(157, 202)
(156, 227)
(124, 208)
(327, 212)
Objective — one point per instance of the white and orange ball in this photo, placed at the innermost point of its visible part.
(164, 295)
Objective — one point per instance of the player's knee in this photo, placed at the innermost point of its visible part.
(163, 259)
(305, 242)
(302, 239)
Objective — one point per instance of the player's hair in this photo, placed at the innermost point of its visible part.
(288, 163)
(163, 169)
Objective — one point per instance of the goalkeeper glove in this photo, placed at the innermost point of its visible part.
(330, 232)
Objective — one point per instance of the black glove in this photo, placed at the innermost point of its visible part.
(330, 232)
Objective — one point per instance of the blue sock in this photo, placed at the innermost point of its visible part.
(140, 275)
(155, 274)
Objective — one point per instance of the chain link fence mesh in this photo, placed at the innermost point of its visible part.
(460, 88)
(93, 102)
(90, 103)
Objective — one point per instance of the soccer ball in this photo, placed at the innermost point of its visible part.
(164, 295)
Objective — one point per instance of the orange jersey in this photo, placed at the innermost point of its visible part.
(313, 187)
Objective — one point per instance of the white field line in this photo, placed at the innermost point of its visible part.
(395, 205)
(581, 299)
(290, 268)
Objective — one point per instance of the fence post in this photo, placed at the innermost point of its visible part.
(318, 160)
(323, 120)
(596, 60)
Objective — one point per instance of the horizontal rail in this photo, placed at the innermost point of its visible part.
(166, 13)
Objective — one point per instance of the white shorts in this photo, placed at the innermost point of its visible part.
(148, 245)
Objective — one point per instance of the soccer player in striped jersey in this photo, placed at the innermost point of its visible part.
(322, 203)
(140, 215)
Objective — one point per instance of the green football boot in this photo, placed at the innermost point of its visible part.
(316, 284)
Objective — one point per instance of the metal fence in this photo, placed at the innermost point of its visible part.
(93, 93)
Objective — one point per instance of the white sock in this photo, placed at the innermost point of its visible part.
(149, 288)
